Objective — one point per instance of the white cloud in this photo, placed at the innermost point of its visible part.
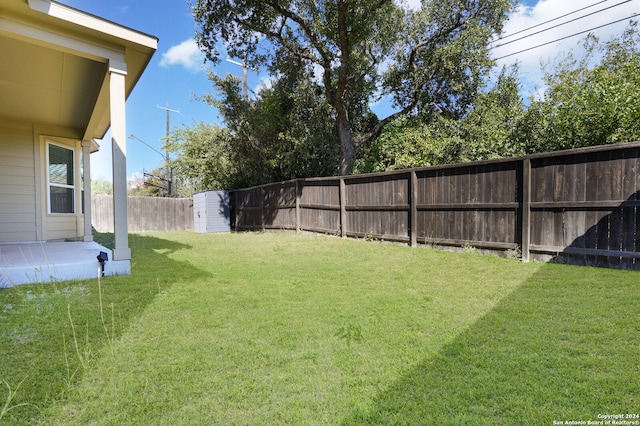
(186, 54)
(545, 10)
(266, 82)
(534, 15)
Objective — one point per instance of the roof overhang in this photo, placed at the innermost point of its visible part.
(56, 61)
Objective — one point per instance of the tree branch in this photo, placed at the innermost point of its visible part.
(441, 33)
(343, 40)
(415, 50)
(377, 129)
(306, 28)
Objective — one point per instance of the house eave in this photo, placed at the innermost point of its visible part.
(93, 23)
(81, 39)
(138, 51)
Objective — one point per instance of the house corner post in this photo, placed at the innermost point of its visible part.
(86, 165)
(117, 73)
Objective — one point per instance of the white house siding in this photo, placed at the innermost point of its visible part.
(17, 184)
(61, 227)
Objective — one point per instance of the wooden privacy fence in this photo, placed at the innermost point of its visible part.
(144, 213)
(582, 204)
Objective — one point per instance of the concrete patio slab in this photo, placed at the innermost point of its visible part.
(42, 261)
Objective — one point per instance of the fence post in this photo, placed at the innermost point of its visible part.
(298, 193)
(231, 200)
(262, 202)
(343, 208)
(413, 208)
(526, 209)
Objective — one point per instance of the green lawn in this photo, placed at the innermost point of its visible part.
(301, 329)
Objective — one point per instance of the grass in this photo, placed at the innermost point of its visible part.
(303, 329)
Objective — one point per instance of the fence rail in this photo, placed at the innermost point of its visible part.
(144, 213)
(581, 204)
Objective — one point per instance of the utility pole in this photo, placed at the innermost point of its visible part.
(245, 88)
(168, 110)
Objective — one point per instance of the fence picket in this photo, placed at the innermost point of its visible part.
(144, 213)
(581, 204)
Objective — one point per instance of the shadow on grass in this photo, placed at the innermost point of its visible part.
(561, 347)
(37, 339)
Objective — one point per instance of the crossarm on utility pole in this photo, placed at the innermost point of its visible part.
(245, 87)
(167, 151)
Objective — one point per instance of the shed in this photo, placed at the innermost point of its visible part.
(211, 211)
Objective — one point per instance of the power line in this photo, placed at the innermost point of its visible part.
(569, 36)
(559, 25)
(550, 20)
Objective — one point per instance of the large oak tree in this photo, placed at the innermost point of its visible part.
(428, 60)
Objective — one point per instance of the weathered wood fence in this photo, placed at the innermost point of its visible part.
(144, 213)
(581, 204)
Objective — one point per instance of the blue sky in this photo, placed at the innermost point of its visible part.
(176, 72)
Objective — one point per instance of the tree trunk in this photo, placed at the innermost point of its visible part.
(347, 146)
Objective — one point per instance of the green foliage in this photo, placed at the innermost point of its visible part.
(8, 405)
(588, 104)
(203, 157)
(101, 186)
(408, 143)
(485, 132)
(589, 101)
(444, 55)
(514, 253)
(284, 133)
(147, 190)
(314, 119)
(350, 332)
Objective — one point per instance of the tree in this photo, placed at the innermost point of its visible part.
(429, 61)
(485, 132)
(408, 143)
(101, 186)
(285, 132)
(203, 157)
(591, 100)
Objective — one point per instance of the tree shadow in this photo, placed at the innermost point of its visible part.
(224, 209)
(563, 346)
(212, 211)
(611, 242)
(37, 343)
(271, 206)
